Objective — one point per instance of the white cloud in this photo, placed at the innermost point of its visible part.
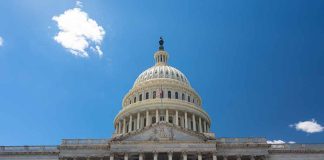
(78, 32)
(276, 142)
(308, 126)
(1, 41)
(78, 3)
(279, 142)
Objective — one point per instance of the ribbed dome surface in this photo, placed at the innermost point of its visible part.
(162, 71)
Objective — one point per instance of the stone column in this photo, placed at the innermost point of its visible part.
(186, 120)
(126, 156)
(157, 118)
(167, 115)
(119, 127)
(147, 118)
(140, 157)
(205, 125)
(214, 156)
(124, 125)
(170, 156)
(176, 118)
(155, 154)
(111, 157)
(130, 123)
(184, 155)
(199, 156)
(200, 128)
(194, 122)
(138, 120)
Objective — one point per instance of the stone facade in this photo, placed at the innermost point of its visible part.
(162, 118)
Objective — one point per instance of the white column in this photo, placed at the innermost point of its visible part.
(205, 126)
(157, 118)
(167, 115)
(170, 156)
(199, 156)
(147, 117)
(176, 119)
(186, 120)
(214, 157)
(140, 156)
(111, 157)
(126, 156)
(119, 127)
(194, 122)
(184, 155)
(155, 155)
(130, 123)
(200, 128)
(124, 125)
(138, 120)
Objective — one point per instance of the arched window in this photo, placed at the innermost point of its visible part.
(183, 96)
(176, 95)
(188, 98)
(169, 94)
(130, 101)
(147, 95)
(134, 99)
(154, 94)
(140, 97)
(161, 94)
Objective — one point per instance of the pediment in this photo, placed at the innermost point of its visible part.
(162, 131)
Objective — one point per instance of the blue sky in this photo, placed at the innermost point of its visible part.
(258, 66)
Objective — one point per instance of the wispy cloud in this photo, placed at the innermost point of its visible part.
(78, 33)
(1, 41)
(310, 126)
(279, 142)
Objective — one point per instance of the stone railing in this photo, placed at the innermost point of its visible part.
(84, 141)
(241, 140)
(297, 146)
(28, 148)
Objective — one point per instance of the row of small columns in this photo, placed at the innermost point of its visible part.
(184, 155)
(121, 128)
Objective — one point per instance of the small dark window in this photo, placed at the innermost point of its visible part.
(188, 98)
(183, 96)
(140, 97)
(170, 119)
(134, 99)
(147, 95)
(153, 119)
(161, 94)
(176, 95)
(193, 100)
(154, 94)
(161, 118)
(169, 94)
(144, 122)
(130, 102)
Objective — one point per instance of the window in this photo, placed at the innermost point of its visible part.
(134, 99)
(191, 125)
(140, 97)
(169, 94)
(154, 94)
(144, 122)
(193, 100)
(188, 98)
(170, 119)
(161, 94)
(161, 118)
(133, 127)
(130, 101)
(147, 95)
(183, 96)
(176, 95)
(153, 119)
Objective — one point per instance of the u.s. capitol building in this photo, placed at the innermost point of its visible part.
(162, 118)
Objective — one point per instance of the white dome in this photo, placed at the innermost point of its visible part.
(162, 71)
